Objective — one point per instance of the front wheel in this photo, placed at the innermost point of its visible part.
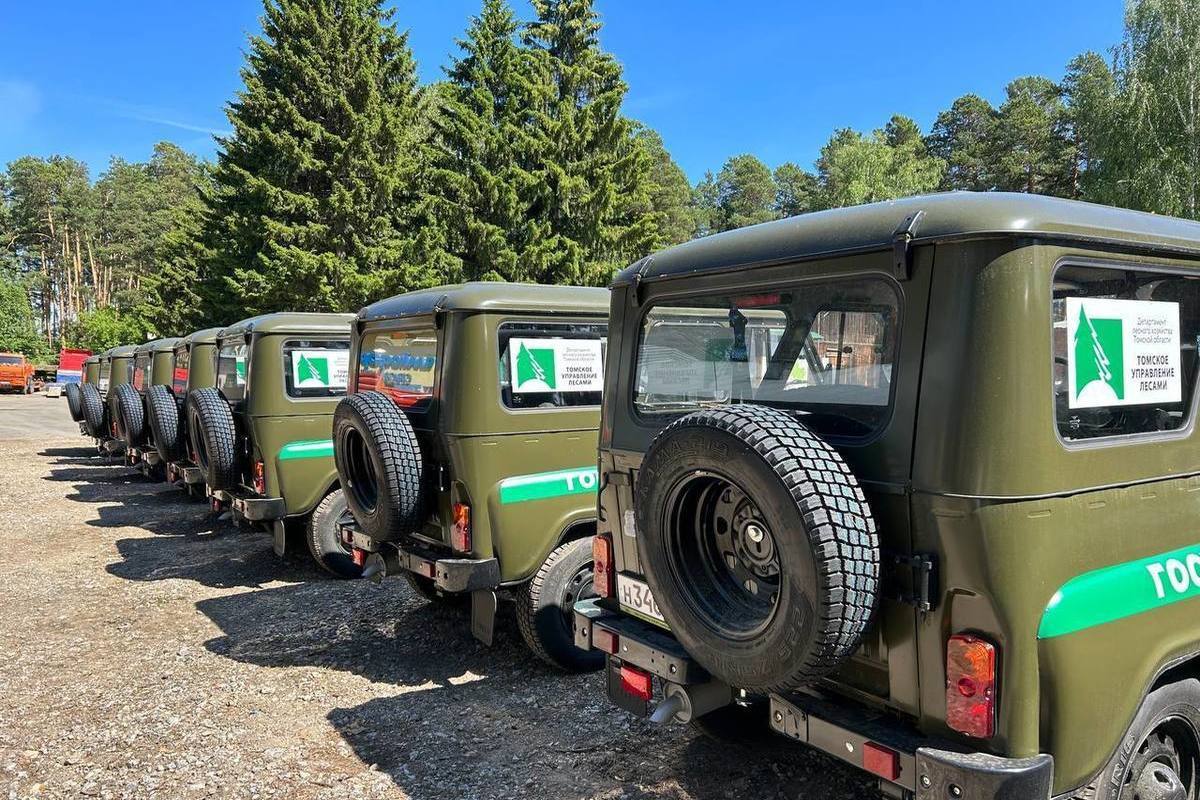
(324, 542)
(1160, 755)
(544, 607)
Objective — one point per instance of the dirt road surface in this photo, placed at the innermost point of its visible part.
(148, 650)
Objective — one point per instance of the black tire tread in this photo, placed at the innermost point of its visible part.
(74, 404)
(837, 520)
(388, 433)
(529, 597)
(212, 419)
(130, 412)
(92, 405)
(312, 536)
(162, 413)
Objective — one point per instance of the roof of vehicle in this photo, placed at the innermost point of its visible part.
(205, 336)
(158, 345)
(124, 351)
(951, 215)
(92, 359)
(491, 296)
(289, 322)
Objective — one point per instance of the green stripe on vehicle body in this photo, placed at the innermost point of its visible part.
(313, 448)
(541, 485)
(1122, 590)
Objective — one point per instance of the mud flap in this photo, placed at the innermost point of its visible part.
(280, 537)
(483, 615)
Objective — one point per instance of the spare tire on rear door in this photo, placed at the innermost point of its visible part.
(93, 411)
(758, 546)
(73, 403)
(379, 464)
(214, 437)
(162, 416)
(130, 415)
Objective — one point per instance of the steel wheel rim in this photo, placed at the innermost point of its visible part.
(723, 555)
(363, 483)
(1165, 766)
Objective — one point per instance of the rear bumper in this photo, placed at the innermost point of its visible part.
(138, 456)
(925, 767)
(449, 573)
(184, 472)
(250, 506)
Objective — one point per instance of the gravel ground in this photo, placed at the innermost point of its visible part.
(148, 650)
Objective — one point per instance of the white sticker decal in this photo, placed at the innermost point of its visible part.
(320, 369)
(556, 365)
(1122, 352)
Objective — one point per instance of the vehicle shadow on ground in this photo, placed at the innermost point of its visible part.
(503, 738)
(382, 632)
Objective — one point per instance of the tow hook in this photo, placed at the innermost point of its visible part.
(685, 703)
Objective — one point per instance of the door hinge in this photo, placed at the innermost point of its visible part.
(901, 240)
(922, 590)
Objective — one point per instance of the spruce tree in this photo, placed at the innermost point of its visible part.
(590, 175)
(480, 192)
(313, 186)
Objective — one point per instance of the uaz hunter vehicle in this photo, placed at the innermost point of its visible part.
(261, 436)
(467, 451)
(98, 400)
(153, 366)
(195, 368)
(915, 483)
(89, 375)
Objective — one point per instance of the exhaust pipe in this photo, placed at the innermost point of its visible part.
(379, 565)
(685, 703)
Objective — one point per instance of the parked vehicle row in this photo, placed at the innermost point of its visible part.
(912, 483)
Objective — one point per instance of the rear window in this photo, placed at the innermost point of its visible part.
(401, 364)
(231, 371)
(141, 367)
(179, 378)
(824, 351)
(552, 365)
(1125, 344)
(316, 367)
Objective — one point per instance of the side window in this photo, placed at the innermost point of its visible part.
(824, 351)
(231, 371)
(552, 364)
(402, 364)
(1124, 351)
(316, 368)
(179, 379)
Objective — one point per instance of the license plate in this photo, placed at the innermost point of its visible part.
(635, 596)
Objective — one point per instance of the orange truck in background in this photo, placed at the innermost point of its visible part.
(16, 373)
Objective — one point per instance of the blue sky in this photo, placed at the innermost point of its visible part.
(715, 78)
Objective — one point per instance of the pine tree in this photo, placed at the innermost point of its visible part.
(312, 188)
(796, 190)
(745, 193)
(964, 136)
(480, 190)
(1034, 146)
(589, 173)
(670, 195)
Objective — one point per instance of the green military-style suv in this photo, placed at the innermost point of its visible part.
(115, 368)
(89, 375)
(261, 435)
(468, 448)
(153, 366)
(194, 368)
(916, 484)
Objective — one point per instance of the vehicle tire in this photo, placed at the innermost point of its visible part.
(92, 405)
(74, 404)
(544, 606)
(428, 589)
(758, 546)
(736, 724)
(323, 540)
(379, 464)
(1159, 756)
(214, 437)
(162, 417)
(130, 415)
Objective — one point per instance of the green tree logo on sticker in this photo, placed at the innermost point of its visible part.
(535, 369)
(313, 371)
(1099, 360)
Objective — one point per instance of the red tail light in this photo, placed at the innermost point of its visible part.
(604, 573)
(460, 533)
(260, 477)
(971, 685)
(605, 640)
(881, 761)
(637, 682)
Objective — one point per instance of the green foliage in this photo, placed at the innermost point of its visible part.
(745, 193)
(18, 334)
(312, 190)
(105, 328)
(669, 199)
(964, 137)
(891, 162)
(1034, 146)
(796, 190)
